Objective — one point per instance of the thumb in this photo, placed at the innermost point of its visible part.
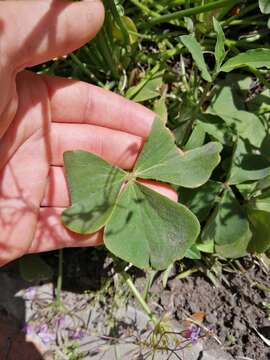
(35, 31)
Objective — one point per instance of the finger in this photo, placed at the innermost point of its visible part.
(36, 31)
(116, 147)
(56, 194)
(51, 234)
(162, 188)
(78, 102)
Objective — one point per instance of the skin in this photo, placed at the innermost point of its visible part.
(41, 117)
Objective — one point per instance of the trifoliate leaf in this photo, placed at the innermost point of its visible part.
(148, 229)
(141, 226)
(161, 160)
(94, 185)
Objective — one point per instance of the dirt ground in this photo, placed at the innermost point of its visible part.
(235, 311)
(232, 311)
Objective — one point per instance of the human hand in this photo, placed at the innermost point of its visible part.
(41, 117)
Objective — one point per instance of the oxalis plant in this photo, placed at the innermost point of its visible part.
(141, 226)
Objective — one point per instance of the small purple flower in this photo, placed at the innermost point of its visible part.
(46, 335)
(194, 333)
(77, 334)
(28, 329)
(30, 293)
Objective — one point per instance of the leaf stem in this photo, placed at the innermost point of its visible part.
(139, 298)
(192, 11)
(59, 279)
(144, 8)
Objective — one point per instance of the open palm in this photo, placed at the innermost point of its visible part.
(44, 116)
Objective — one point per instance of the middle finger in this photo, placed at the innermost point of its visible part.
(118, 148)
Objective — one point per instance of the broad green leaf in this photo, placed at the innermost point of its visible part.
(161, 160)
(232, 95)
(93, 185)
(256, 58)
(247, 125)
(246, 189)
(196, 138)
(148, 88)
(201, 200)
(219, 48)
(216, 127)
(206, 246)
(247, 166)
(263, 184)
(264, 6)
(34, 268)
(151, 89)
(193, 253)
(260, 227)
(147, 229)
(262, 202)
(160, 109)
(228, 228)
(195, 49)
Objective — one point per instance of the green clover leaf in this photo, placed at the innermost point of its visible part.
(141, 226)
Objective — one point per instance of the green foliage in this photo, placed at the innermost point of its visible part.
(228, 227)
(141, 226)
(256, 58)
(264, 6)
(194, 48)
(204, 69)
(220, 45)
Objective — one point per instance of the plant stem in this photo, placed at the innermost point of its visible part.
(144, 8)
(139, 298)
(106, 52)
(189, 12)
(84, 69)
(59, 279)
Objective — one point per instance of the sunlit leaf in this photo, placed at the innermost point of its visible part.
(161, 160)
(219, 49)
(256, 58)
(264, 6)
(94, 185)
(195, 49)
(217, 128)
(201, 200)
(262, 202)
(228, 228)
(196, 138)
(160, 109)
(147, 229)
(247, 166)
(260, 227)
(193, 253)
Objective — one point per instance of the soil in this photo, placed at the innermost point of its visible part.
(234, 311)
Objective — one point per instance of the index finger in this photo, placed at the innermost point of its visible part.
(75, 101)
